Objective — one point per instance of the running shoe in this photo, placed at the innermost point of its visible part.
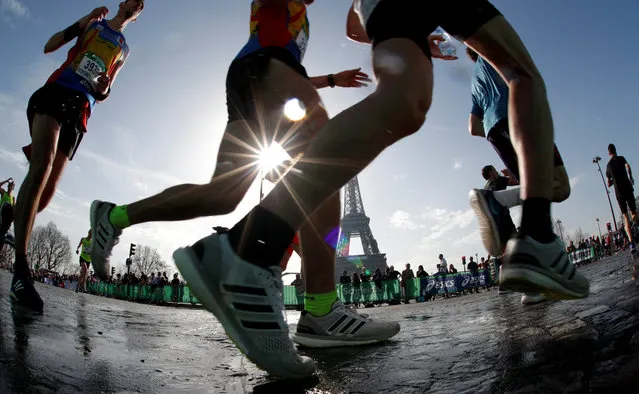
(247, 300)
(24, 295)
(532, 299)
(533, 267)
(105, 237)
(342, 326)
(495, 225)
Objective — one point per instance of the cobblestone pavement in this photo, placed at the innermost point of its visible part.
(476, 343)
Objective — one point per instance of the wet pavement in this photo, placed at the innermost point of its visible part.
(483, 343)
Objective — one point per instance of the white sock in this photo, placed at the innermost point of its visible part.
(509, 197)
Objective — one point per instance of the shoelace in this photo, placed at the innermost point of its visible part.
(352, 312)
(275, 283)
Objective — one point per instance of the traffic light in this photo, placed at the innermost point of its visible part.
(112, 271)
(608, 226)
(131, 250)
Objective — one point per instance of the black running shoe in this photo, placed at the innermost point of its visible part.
(24, 295)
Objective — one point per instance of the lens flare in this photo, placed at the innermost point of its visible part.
(294, 110)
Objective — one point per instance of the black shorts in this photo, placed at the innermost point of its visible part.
(70, 108)
(417, 19)
(6, 212)
(82, 260)
(626, 200)
(499, 137)
(245, 76)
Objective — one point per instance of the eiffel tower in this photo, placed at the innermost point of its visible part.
(356, 223)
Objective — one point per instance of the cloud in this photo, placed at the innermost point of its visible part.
(17, 158)
(14, 8)
(457, 165)
(119, 168)
(399, 177)
(447, 222)
(401, 219)
(67, 198)
(574, 181)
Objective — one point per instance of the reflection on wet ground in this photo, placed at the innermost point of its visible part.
(477, 343)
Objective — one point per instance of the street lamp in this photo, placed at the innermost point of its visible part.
(598, 227)
(561, 231)
(596, 161)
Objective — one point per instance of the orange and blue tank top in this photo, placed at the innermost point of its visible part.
(98, 50)
(284, 26)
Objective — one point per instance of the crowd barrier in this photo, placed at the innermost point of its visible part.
(366, 292)
(582, 255)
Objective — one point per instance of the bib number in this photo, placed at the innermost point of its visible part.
(90, 67)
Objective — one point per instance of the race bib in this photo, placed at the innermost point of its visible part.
(90, 67)
(302, 42)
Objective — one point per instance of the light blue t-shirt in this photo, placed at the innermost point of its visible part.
(490, 95)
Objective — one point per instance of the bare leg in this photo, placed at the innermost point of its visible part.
(353, 139)
(626, 222)
(531, 126)
(59, 163)
(318, 262)
(234, 174)
(45, 132)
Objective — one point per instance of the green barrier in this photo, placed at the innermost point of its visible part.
(582, 255)
(365, 292)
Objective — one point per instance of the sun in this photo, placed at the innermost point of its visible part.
(272, 156)
(294, 110)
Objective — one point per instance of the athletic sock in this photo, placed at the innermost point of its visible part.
(261, 237)
(319, 305)
(119, 217)
(509, 197)
(535, 220)
(20, 266)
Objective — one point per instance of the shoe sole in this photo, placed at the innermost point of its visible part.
(102, 269)
(487, 227)
(320, 343)
(525, 280)
(189, 266)
(538, 301)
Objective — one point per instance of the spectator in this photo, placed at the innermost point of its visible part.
(345, 279)
(407, 274)
(420, 272)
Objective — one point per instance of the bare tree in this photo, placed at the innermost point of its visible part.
(147, 260)
(578, 235)
(49, 248)
(7, 257)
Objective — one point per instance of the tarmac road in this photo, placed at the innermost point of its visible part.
(476, 343)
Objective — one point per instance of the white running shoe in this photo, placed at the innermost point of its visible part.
(533, 267)
(342, 326)
(532, 299)
(104, 237)
(495, 224)
(247, 300)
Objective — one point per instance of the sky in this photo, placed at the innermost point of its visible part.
(166, 114)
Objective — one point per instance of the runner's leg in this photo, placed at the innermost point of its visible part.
(59, 163)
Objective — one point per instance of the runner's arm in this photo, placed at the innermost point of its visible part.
(108, 80)
(77, 250)
(61, 38)
(476, 126)
(354, 29)
(354, 78)
(609, 176)
(5, 182)
(632, 180)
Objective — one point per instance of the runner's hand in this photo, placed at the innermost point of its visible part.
(102, 86)
(96, 15)
(354, 78)
(433, 41)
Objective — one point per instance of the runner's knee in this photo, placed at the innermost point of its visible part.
(405, 85)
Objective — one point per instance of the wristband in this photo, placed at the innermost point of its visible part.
(72, 31)
(331, 80)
